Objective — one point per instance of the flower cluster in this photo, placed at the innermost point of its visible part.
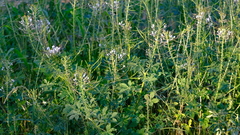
(7, 66)
(35, 25)
(112, 52)
(84, 78)
(185, 65)
(98, 6)
(223, 33)
(115, 53)
(163, 37)
(114, 5)
(6, 69)
(37, 28)
(125, 26)
(209, 21)
(103, 5)
(53, 50)
(200, 16)
(35, 22)
(10, 83)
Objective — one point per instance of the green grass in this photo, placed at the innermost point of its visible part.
(120, 67)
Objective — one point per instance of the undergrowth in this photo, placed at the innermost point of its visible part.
(120, 67)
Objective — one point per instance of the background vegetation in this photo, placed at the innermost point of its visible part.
(120, 67)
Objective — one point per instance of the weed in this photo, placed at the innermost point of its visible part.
(120, 67)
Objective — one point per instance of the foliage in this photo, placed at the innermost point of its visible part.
(120, 67)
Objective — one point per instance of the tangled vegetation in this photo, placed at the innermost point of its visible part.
(120, 67)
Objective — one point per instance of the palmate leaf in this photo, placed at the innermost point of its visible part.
(151, 78)
(68, 108)
(123, 87)
(70, 113)
(74, 114)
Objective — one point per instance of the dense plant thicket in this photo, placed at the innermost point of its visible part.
(120, 67)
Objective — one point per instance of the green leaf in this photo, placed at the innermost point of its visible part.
(23, 58)
(146, 96)
(108, 127)
(104, 110)
(114, 114)
(152, 94)
(155, 100)
(130, 83)
(186, 127)
(151, 78)
(74, 116)
(141, 116)
(123, 87)
(134, 122)
(67, 109)
(114, 120)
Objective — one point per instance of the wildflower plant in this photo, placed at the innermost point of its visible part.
(37, 28)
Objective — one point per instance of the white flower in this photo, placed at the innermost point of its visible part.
(121, 55)
(229, 33)
(95, 7)
(224, 33)
(44, 102)
(54, 50)
(125, 26)
(183, 66)
(113, 5)
(29, 23)
(111, 52)
(102, 45)
(220, 32)
(29, 104)
(200, 16)
(209, 21)
(98, 6)
(153, 33)
(153, 26)
(171, 37)
(75, 77)
(121, 24)
(115, 53)
(12, 80)
(85, 77)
